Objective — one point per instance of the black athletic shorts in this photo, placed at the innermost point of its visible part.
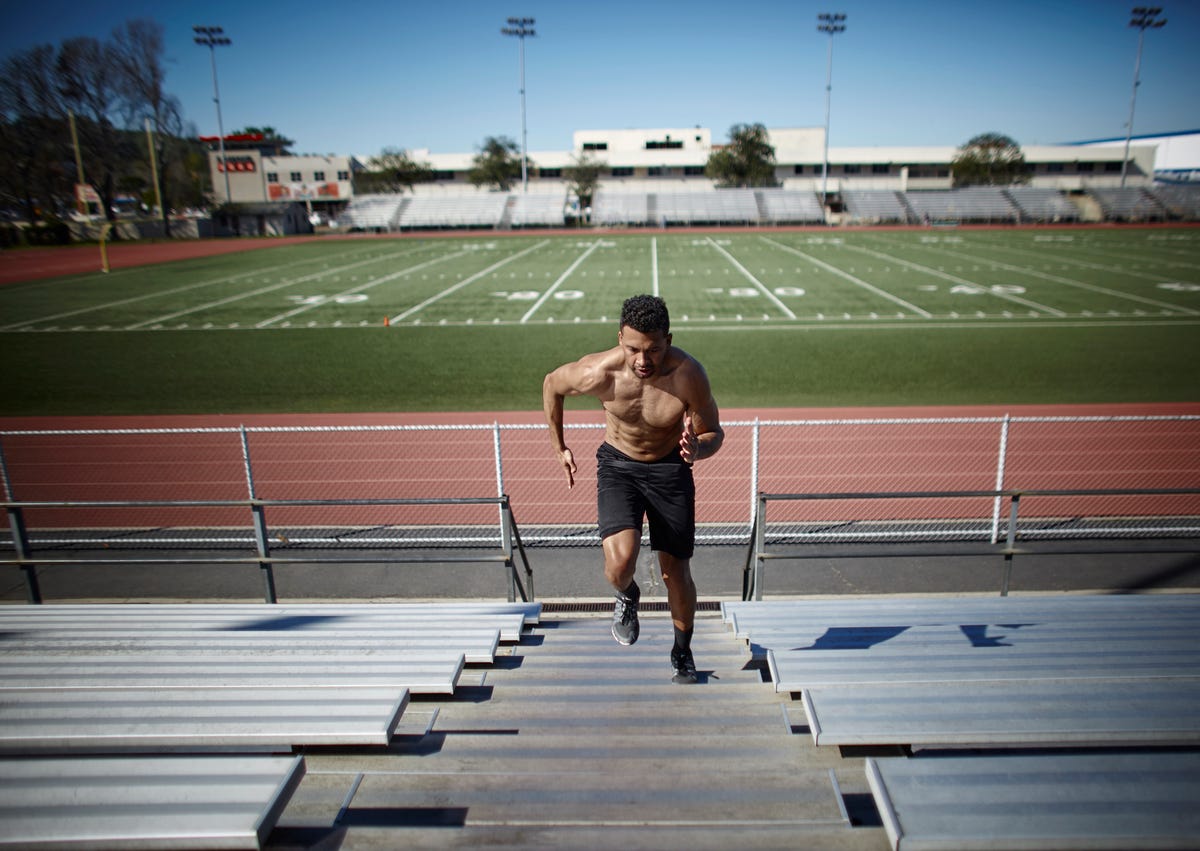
(663, 491)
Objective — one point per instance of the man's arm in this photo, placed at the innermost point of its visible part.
(570, 379)
(702, 432)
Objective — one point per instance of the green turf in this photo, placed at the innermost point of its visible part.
(885, 318)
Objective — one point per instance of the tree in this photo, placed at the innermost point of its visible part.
(498, 163)
(138, 57)
(583, 176)
(392, 171)
(88, 86)
(34, 144)
(748, 159)
(989, 159)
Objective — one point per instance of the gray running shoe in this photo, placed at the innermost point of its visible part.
(685, 667)
(625, 627)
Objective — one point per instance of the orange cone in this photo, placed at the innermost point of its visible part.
(386, 322)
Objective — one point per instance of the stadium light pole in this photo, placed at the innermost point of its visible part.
(830, 23)
(1144, 18)
(521, 27)
(212, 38)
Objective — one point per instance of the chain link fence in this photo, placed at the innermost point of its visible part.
(134, 472)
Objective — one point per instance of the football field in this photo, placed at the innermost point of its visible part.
(1062, 300)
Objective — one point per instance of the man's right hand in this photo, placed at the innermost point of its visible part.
(568, 461)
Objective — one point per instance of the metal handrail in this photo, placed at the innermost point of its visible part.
(510, 538)
(757, 554)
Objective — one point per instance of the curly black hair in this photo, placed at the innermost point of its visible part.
(646, 313)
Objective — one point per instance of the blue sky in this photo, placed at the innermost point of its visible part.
(354, 78)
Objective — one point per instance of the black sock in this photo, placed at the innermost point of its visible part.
(683, 639)
(632, 591)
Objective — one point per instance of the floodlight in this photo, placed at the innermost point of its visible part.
(212, 38)
(522, 27)
(1144, 18)
(831, 23)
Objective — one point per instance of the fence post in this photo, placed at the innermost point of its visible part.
(754, 474)
(499, 466)
(1009, 552)
(16, 523)
(261, 537)
(1001, 461)
(760, 544)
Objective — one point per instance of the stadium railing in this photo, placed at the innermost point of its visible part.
(889, 519)
(337, 492)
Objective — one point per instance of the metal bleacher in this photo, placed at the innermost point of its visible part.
(1181, 202)
(469, 210)
(970, 204)
(1030, 716)
(372, 212)
(718, 206)
(539, 209)
(1042, 205)
(617, 208)
(873, 206)
(789, 206)
(152, 725)
(1133, 204)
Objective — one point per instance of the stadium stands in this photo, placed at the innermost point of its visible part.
(482, 209)
(1042, 205)
(787, 206)
(538, 210)
(1181, 202)
(373, 212)
(1129, 205)
(971, 204)
(873, 206)
(665, 202)
(619, 208)
(720, 206)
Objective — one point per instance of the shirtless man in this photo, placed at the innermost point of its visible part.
(661, 418)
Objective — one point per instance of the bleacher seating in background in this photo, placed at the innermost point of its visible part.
(696, 202)
(538, 209)
(787, 206)
(872, 206)
(372, 212)
(1180, 202)
(971, 204)
(1132, 204)
(1042, 205)
(719, 206)
(481, 209)
(619, 208)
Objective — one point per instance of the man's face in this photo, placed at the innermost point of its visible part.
(644, 353)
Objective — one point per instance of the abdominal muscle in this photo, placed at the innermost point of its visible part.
(639, 440)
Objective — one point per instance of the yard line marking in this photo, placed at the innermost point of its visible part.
(559, 282)
(400, 317)
(158, 294)
(654, 264)
(761, 288)
(1053, 311)
(291, 282)
(852, 279)
(1083, 286)
(372, 283)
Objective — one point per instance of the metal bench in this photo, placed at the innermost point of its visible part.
(148, 801)
(82, 720)
(1052, 802)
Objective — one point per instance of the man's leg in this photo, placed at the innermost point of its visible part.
(681, 597)
(620, 565)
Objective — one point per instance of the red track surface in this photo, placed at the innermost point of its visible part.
(839, 457)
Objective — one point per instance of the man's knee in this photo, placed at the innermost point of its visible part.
(620, 557)
(675, 570)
